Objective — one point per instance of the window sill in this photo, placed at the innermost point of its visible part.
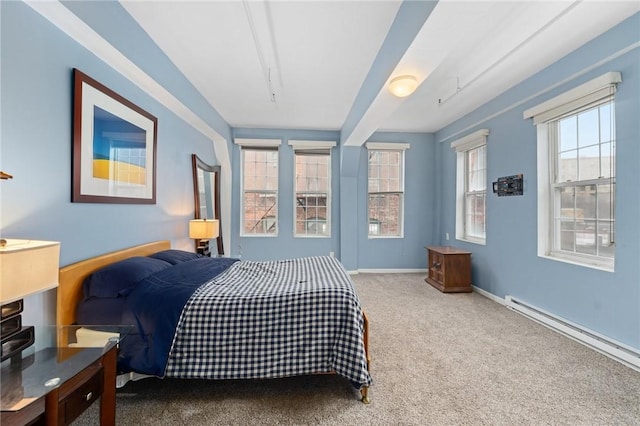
(579, 261)
(471, 240)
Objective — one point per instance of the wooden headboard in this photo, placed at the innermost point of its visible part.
(72, 276)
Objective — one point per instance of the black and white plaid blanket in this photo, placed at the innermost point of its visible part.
(272, 319)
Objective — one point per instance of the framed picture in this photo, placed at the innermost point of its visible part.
(114, 146)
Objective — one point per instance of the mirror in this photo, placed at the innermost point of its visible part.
(206, 194)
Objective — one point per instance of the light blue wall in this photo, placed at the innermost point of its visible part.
(349, 240)
(608, 303)
(419, 209)
(36, 85)
(36, 106)
(284, 245)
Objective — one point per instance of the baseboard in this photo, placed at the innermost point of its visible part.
(488, 295)
(615, 350)
(390, 271)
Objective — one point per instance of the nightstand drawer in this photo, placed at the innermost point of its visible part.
(79, 393)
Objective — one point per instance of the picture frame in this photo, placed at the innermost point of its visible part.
(114, 146)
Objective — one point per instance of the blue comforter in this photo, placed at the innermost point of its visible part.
(154, 306)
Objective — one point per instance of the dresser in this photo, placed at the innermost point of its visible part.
(449, 269)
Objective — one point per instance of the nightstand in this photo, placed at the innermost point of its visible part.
(449, 269)
(55, 385)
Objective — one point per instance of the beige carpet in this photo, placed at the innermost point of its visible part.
(437, 359)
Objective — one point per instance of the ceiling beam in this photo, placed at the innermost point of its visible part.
(373, 102)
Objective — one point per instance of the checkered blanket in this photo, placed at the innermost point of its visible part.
(272, 319)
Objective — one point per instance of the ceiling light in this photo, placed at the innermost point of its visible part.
(403, 85)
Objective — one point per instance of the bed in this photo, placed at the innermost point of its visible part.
(220, 318)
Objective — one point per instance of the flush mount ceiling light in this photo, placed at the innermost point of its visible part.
(402, 86)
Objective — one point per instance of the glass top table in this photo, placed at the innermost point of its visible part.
(27, 378)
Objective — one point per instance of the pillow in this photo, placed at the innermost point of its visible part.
(175, 256)
(119, 278)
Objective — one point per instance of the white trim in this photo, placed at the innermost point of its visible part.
(386, 146)
(543, 191)
(591, 91)
(613, 349)
(488, 295)
(567, 103)
(257, 143)
(300, 144)
(472, 140)
(462, 146)
(390, 271)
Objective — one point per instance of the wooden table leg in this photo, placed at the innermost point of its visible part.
(108, 399)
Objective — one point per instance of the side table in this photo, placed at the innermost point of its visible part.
(449, 269)
(53, 386)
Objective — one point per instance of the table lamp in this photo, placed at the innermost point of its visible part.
(202, 230)
(26, 267)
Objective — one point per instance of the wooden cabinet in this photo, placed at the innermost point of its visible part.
(449, 269)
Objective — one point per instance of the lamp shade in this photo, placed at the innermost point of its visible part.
(27, 267)
(403, 85)
(203, 229)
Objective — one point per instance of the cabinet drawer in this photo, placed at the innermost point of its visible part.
(86, 390)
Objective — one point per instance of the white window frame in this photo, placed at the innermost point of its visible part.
(257, 144)
(319, 148)
(462, 147)
(395, 147)
(597, 91)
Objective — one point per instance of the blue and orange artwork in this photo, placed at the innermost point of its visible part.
(119, 149)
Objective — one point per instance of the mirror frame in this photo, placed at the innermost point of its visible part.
(198, 164)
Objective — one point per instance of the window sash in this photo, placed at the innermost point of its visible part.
(589, 239)
(312, 192)
(259, 209)
(385, 189)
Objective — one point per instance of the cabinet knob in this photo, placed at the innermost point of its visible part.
(88, 396)
(436, 265)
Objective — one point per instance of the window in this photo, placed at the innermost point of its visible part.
(386, 189)
(312, 198)
(577, 174)
(259, 160)
(471, 186)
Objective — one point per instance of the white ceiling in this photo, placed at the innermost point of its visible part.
(301, 64)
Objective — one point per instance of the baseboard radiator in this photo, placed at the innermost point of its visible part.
(615, 350)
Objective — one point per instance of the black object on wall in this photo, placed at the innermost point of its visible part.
(508, 185)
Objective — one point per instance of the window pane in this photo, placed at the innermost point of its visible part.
(588, 128)
(606, 118)
(586, 237)
(568, 134)
(386, 211)
(607, 160)
(475, 215)
(312, 194)
(606, 239)
(568, 166)
(586, 201)
(260, 212)
(589, 162)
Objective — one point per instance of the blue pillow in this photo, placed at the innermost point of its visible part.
(119, 278)
(175, 256)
